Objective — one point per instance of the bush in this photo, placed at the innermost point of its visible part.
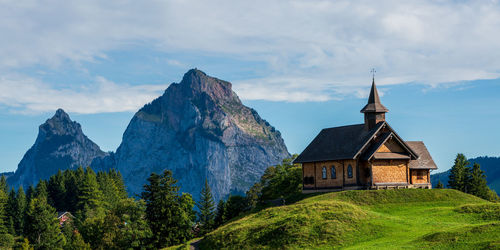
(6, 240)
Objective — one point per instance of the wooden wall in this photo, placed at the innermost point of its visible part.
(307, 171)
(414, 176)
(389, 171)
(391, 146)
(342, 179)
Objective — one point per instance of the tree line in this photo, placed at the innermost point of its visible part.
(469, 179)
(103, 216)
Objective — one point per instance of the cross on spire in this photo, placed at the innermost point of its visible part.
(373, 71)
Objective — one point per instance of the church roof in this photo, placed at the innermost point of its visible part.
(338, 143)
(349, 142)
(424, 160)
(374, 105)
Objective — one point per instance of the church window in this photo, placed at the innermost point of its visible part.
(323, 171)
(333, 173)
(420, 174)
(349, 171)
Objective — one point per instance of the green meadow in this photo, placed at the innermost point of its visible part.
(382, 219)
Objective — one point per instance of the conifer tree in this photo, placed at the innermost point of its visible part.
(439, 184)
(219, 216)
(11, 212)
(3, 184)
(111, 187)
(71, 185)
(56, 191)
(207, 209)
(20, 211)
(89, 195)
(41, 190)
(3, 212)
(42, 226)
(459, 174)
(477, 183)
(30, 193)
(168, 214)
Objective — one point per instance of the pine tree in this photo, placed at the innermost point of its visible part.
(3, 211)
(477, 183)
(41, 192)
(439, 184)
(11, 212)
(71, 184)
(89, 195)
(3, 184)
(168, 214)
(42, 226)
(56, 191)
(219, 216)
(20, 211)
(112, 188)
(459, 174)
(207, 209)
(30, 194)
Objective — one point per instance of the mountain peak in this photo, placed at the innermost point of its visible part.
(60, 145)
(61, 115)
(196, 81)
(61, 123)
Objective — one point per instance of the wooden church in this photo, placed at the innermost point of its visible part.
(365, 156)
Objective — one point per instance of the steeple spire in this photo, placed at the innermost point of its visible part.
(374, 110)
(374, 104)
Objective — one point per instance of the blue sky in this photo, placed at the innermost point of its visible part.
(303, 65)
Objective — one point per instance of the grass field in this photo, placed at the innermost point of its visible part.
(395, 219)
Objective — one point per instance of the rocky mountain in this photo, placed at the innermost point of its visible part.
(490, 166)
(60, 144)
(198, 129)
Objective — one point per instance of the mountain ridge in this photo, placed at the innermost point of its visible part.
(198, 128)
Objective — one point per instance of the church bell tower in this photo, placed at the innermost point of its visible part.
(374, 110)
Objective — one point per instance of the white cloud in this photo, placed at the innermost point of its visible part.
(314, 49)
(28, 95)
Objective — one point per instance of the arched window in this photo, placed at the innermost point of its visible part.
(333, 173)
(323, 172)
(349, 171)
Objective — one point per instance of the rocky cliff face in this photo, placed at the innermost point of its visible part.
(60, 144)
(197, 129)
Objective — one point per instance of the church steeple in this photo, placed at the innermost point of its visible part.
(374, 110)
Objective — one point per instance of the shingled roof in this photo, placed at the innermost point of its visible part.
(424, 160)
(337, 143)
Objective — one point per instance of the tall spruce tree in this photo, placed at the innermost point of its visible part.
(439, 184)
(11, 212)
(220, 214)
(477, 182)
(56, 191)
(3, 184)
(41, 190)
(3, 210)
(20, 211)
(167, 213)
(206, 206)
(459, 174)
(89, 194)
(42, 226)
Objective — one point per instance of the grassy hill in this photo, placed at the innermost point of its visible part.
(380, 219)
